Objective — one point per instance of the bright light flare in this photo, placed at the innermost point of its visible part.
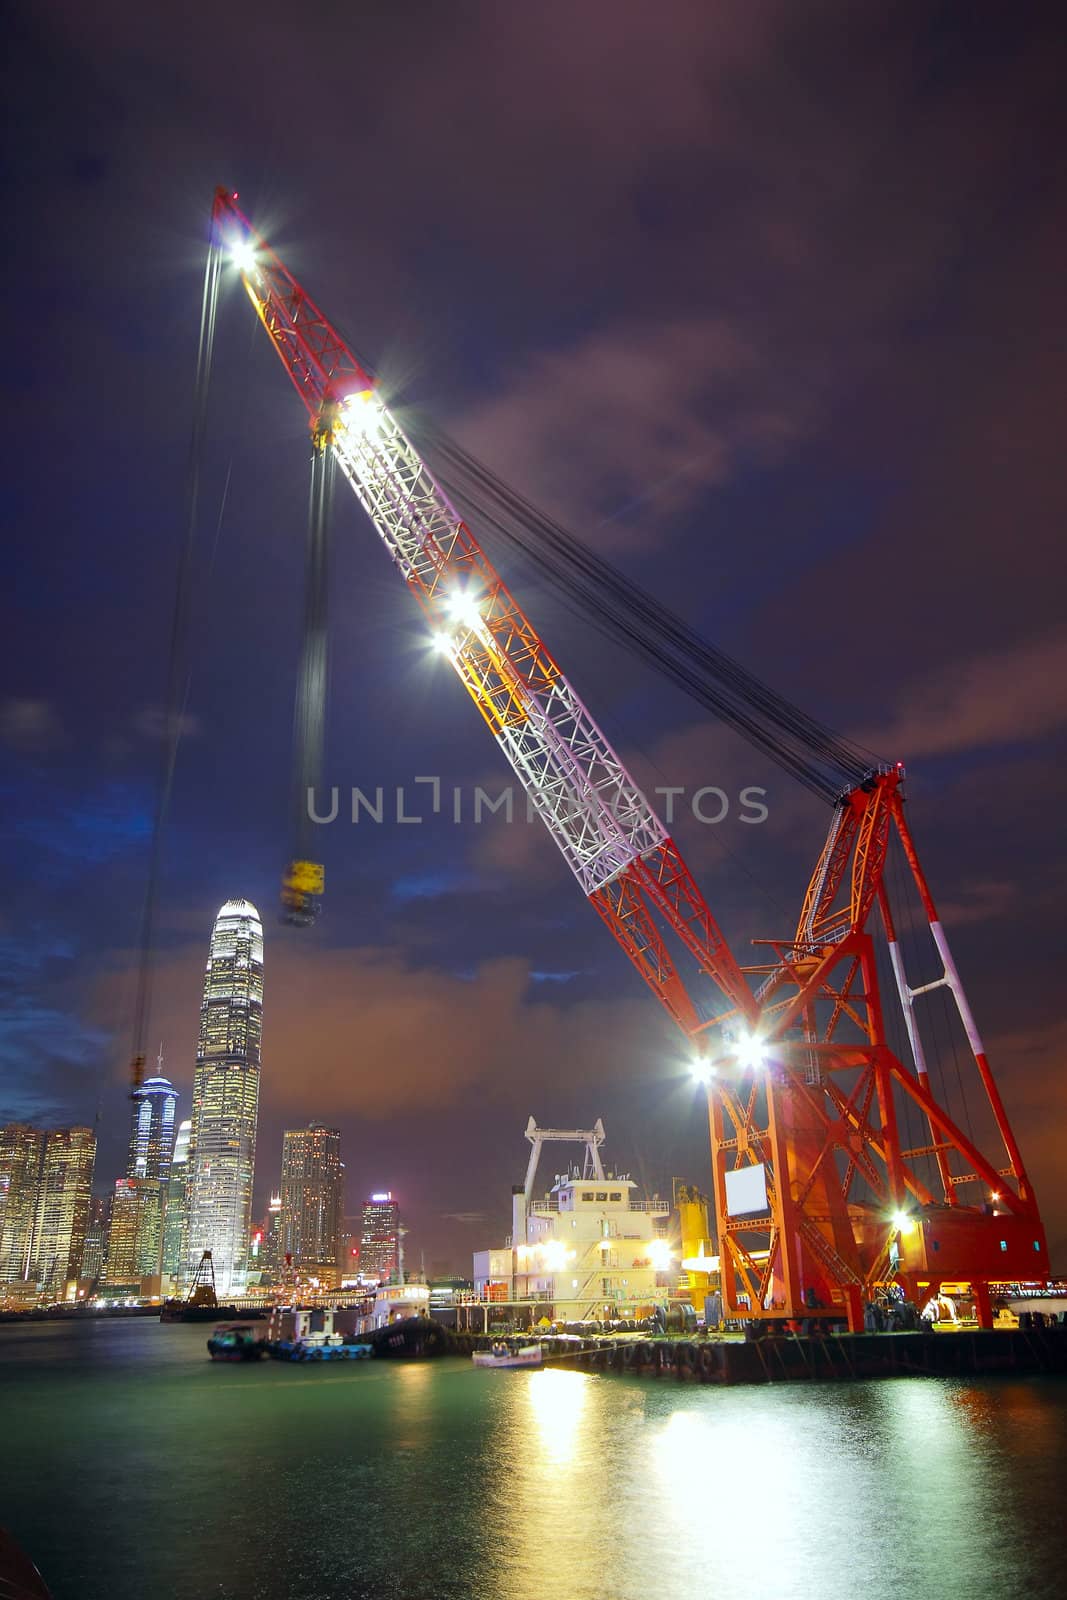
(902, 1223)
(441, 643)
(660, 1254)
(463, 609)
(701, 1070)
(751, 1052)
(362, 413)
(555, 1254)
(243, 256)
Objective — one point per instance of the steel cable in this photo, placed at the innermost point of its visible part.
(597, 591)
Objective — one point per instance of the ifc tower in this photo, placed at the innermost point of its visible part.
(222, 1141)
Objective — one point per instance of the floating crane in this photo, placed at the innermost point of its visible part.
(820, 1200)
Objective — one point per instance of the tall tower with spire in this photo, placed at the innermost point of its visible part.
(222, 1142)
(152, 1133)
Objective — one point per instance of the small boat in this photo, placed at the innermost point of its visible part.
(235, 1341)
(307, 1334)
(318, 1347)
(507, 1355)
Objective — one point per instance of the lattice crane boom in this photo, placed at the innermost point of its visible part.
(609, 835)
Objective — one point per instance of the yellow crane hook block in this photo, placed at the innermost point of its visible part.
(302, 886)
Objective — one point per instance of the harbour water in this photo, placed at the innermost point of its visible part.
(131, 1466)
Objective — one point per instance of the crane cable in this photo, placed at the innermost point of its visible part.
(178, 669)
(302, 885)
(823, 761)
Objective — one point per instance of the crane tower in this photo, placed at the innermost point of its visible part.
(821, 1196)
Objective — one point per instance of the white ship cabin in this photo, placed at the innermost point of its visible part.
(591, 1245)
(394, 1301)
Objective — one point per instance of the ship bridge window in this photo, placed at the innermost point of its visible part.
(602, 1194)
(588, 1195)
(616, 1194)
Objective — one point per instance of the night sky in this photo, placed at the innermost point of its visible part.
(765, 299)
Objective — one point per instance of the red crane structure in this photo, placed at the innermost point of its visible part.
(821, 1201)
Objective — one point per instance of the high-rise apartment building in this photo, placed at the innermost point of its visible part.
(379, 1246)
(222, 1145)
(135, 1237)
(21, 1153)
(174, 1212)
(152, 1133)
(46, 1182)
(63, 1209)
(312, 1200)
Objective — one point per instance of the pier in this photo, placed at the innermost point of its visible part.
(970, 1352)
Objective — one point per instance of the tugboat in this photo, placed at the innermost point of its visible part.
(304, 1334)
(235, 1341)
(400, 1326)
(410, 1338)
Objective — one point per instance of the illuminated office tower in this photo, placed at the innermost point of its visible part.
(152, 1134)
(274, 1255)
(63, 1210)
(222, 1144)
(94, 1255)
(311, 1200)
(174, 1211)
(135, 1237)
(379, 1246)
(21, 1152)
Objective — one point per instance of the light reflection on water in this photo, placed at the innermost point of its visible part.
(125, 1457)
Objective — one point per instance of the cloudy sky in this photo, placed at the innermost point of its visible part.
(765, 300)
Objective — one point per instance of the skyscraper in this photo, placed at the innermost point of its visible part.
(152, 1133)
(94, 1255)
(174, 1212)
(379, 1248)
(312, 1202)
(134, 1239)
(21, 1153)
(63, 1209)
(222, 1145)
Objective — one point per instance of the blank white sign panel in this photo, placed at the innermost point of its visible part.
(746, 1191)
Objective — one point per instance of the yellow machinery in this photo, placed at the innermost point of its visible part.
(692, 1209)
